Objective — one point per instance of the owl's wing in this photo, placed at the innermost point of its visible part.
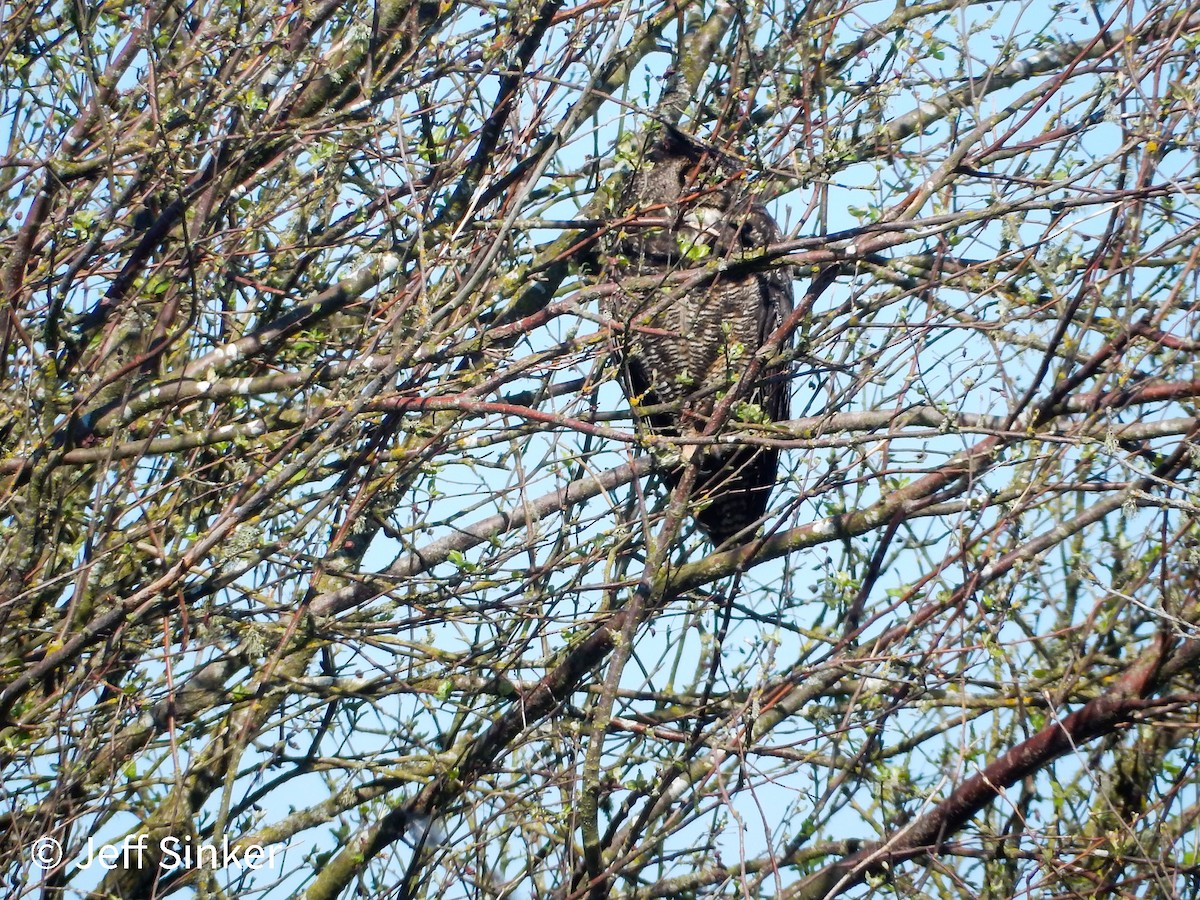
(734, 483)
(776, 302)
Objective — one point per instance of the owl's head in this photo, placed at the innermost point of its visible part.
(674, 164)
(680, 198)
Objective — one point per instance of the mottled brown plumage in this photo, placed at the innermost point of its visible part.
(688, 346)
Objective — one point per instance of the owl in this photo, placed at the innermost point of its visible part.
(686, 347)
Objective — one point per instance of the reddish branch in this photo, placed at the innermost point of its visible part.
(1117, 709)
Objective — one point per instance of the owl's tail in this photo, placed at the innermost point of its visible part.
(733, 488)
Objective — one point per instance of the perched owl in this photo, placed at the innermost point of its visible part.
(678, 210)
